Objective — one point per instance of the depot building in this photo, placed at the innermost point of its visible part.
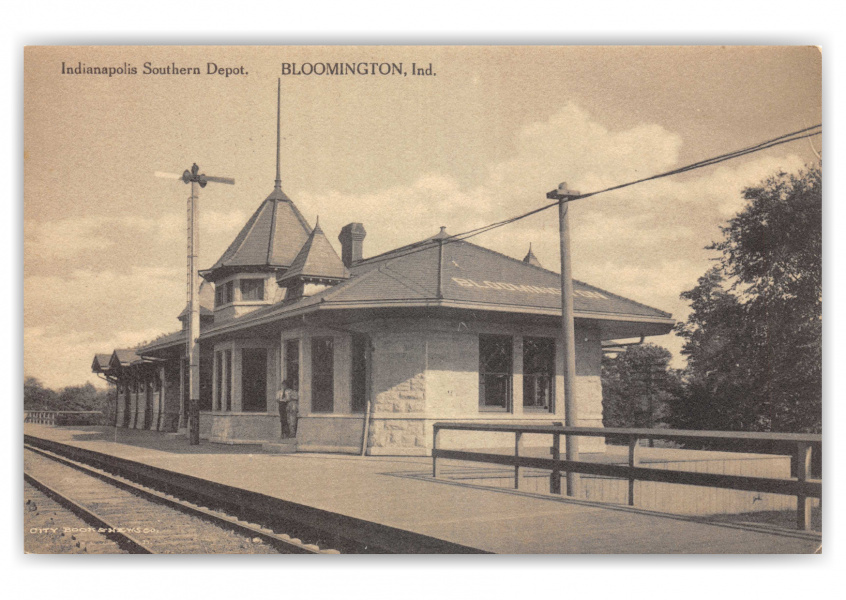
(379, 348)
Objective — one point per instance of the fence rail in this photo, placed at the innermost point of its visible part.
(63, 417)
(799, 446)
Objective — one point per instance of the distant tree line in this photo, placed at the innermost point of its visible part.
(753, 340)
(75, 397)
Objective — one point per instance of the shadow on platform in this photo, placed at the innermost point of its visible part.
(500, 480)
(155, 440)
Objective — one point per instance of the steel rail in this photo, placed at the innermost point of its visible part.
(287, 543)
(347, 534)
(113, 532)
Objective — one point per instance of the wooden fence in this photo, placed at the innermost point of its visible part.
(63, 417)
(799, 446)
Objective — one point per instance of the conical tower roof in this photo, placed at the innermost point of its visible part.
(269, 241)
(317, 260)
(531, 259)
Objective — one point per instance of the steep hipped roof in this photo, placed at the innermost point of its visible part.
(464, 276)
(317, 259)
(271, 238)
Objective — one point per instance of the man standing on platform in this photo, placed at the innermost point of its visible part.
(282, 400)
(288, 400)
(292, 408)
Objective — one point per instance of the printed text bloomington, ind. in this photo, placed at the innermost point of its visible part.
(292, 68)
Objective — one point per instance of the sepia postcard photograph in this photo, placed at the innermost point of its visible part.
(422, 299)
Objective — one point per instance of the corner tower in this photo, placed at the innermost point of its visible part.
(265, 248)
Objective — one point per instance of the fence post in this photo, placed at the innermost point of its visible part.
(555, 476)
(518, 436)
(435, 431)
(632, 462)
(803, 503)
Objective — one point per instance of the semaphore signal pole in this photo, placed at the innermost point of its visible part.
(568, 333)
(194, 177)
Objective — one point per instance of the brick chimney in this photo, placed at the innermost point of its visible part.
(352, 243)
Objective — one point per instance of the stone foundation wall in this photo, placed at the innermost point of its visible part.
(239, 428)
(398, 436)
(330, 434)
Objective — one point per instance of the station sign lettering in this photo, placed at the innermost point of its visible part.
(530, 289)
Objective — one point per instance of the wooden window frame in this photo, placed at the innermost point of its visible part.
(535, 377)
(506, 341)
(259, 283)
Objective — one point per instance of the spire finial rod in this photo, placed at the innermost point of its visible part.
(278, 184)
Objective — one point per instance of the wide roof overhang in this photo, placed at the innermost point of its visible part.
(609, 326)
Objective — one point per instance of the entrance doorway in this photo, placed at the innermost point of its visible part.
(254, 379)
(322, 375)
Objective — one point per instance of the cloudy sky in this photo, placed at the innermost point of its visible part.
(483, 139)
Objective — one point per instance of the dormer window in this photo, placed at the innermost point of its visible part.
(252, 289)
(224, 294)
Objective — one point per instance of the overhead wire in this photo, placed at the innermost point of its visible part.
(432, 242)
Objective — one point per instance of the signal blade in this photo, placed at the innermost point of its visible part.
(228, 180)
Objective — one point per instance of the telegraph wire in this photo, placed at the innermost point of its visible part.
(426, 244)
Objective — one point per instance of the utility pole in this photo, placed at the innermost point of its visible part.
(194, 177)
(568, 331)
(650, 407)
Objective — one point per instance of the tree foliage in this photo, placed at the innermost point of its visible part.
(74, 397)
(754, 336)
(635, 381)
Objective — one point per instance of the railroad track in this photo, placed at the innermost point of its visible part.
(53, 529)
(288, 526)
(141, 520)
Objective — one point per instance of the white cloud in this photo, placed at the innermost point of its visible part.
(69, 236)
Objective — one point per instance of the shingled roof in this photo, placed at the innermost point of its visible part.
(101, 363)
(123, 357)
(270, 240)
(465, 276)
(317, 259)
(166, 341)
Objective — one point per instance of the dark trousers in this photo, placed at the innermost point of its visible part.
(283, 419)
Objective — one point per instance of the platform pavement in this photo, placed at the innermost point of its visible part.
(397, 491)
